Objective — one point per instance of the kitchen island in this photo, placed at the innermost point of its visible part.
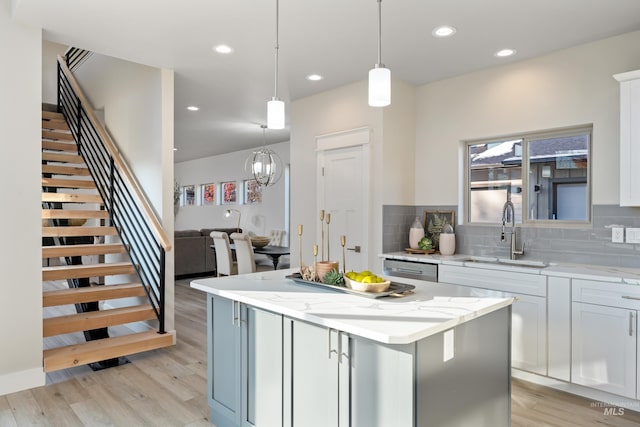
(285, 354)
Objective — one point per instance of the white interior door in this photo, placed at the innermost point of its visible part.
(343, 193)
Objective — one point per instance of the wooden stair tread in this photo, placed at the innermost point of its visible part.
(80, 250)
(96, 319)
(60, 146)
(52, 115)
(55, 124)
(62, 158)
(91, 293)
(57, 136)
(76, 231)
(94, 351)
(70, 213)
(71, 198)
(65, 170)
(61, 272)
(68, 183)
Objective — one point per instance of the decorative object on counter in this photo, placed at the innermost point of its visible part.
(394, 290)
(416, 232)
(300, 240)
(447, 240)
(419, 251)
(365, 281)
(323, 267)
(334, 277)
(328, 218)
(315, 258)
(228, 213)
(434, 221)
(343, 242)
(321, 234)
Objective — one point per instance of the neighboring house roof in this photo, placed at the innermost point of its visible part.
(505, 153)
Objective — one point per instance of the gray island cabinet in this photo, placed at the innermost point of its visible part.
(284, 354)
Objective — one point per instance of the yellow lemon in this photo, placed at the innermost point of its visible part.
(359, 277)
(366, 273)
(369, 279)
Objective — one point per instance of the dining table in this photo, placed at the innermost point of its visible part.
(274, 252)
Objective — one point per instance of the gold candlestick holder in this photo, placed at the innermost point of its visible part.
(322, 234)
(343, 242)
(300, 240)
(328, 218)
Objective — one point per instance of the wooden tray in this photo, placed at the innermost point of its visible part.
(419, 251)
(395, 289)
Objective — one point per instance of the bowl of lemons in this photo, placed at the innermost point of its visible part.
(365, 281)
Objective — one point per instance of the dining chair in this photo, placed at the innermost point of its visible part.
(225, 266)
(244, 254)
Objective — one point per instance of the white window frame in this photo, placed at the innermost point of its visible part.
(526, 137)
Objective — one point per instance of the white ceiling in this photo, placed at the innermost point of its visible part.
(335, 38)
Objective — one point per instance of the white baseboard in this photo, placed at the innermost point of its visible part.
(21, 380)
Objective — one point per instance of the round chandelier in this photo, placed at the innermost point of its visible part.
(265, 165)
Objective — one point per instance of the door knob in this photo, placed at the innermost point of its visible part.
(356, 249)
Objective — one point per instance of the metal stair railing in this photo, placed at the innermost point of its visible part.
(130, 212)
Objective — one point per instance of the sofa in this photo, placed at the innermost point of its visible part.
(193, 253)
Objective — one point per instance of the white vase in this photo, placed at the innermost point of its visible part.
(447, 243)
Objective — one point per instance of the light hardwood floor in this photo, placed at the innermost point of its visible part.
(167, 387)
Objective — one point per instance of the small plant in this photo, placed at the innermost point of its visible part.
(334, 277)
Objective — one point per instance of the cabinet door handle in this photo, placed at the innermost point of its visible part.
(630, 297)
(233, 313)
(630, 324)
(342, 353)
(330, 349)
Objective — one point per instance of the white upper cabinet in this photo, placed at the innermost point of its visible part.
(629, 137)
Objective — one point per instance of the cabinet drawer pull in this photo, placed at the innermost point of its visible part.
(630, 297)
(233, 313)
(630, 324)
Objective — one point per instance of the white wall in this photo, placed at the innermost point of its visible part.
(565, 88)
(20, 172)
(136, 102)
(391, 147)
(259, 218)
(50, 52)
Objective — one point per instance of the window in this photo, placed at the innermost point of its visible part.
(545, 176)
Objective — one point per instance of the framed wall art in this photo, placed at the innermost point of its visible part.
(252, 192)
(189, 192)
(208, 194)
(229, 193)
(434, 221)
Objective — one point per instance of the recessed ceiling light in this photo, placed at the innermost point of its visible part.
(175, 149)
(314, 77)
(192, 108)
(443, 31)
(223, 48)
(504, 53)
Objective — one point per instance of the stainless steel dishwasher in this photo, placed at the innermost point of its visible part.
(411, 270)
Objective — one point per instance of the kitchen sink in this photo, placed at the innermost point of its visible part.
(506, 262)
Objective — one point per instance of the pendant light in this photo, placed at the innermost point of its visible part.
(379, 76)
(275, 107)
(265, 165)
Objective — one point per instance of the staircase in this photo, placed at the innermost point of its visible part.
(75, 225)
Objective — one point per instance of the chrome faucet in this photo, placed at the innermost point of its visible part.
(508, 213)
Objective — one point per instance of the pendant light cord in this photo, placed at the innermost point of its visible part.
(380, 33)
(277, 46)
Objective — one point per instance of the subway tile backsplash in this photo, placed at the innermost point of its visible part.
(588, 245)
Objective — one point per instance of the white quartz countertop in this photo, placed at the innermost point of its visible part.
(577, 271)
(432, 308)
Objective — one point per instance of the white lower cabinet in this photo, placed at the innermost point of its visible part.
(604, 336)
(245, 366)
(604, 348)
(529, 312)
